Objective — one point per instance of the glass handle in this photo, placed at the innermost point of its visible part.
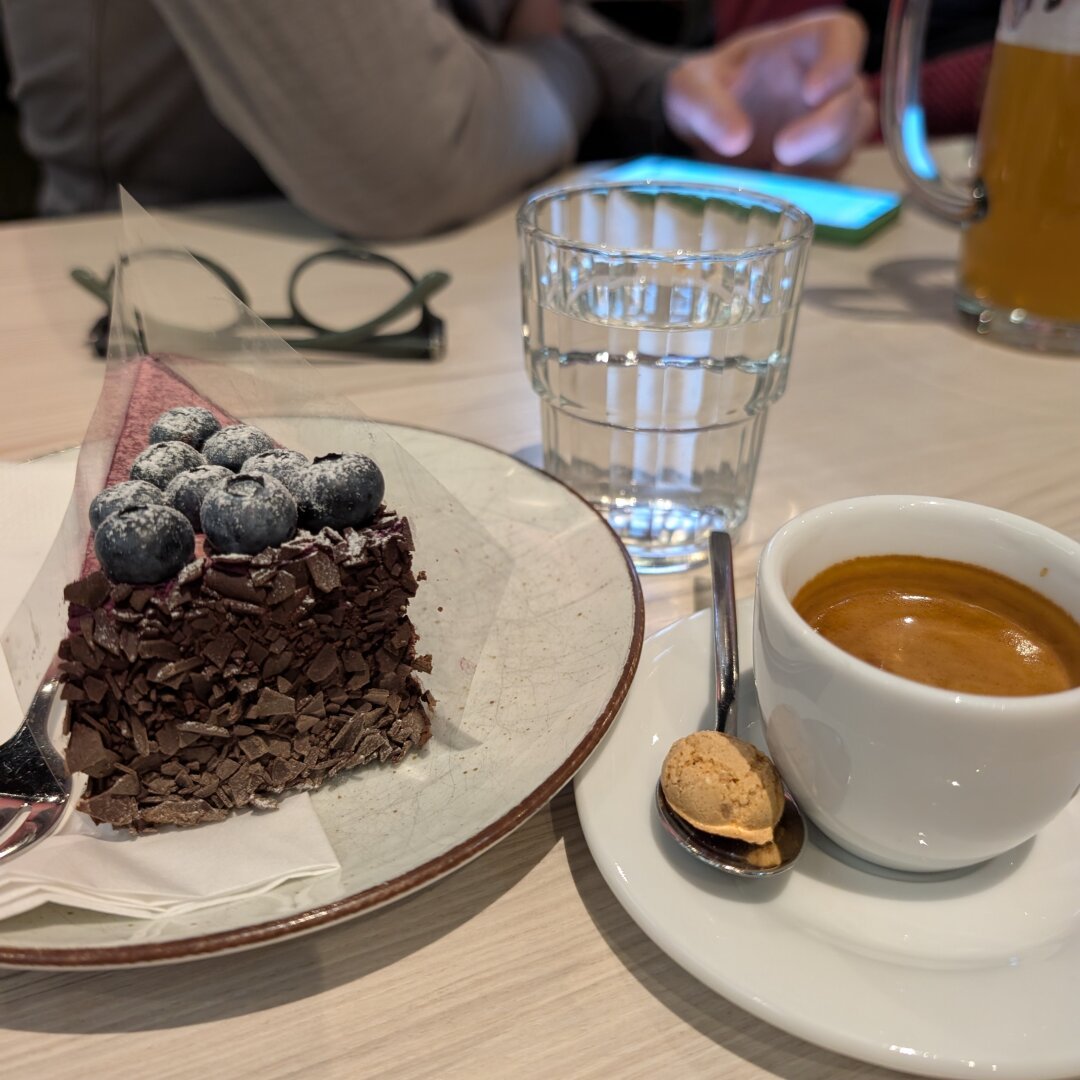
(903, 122)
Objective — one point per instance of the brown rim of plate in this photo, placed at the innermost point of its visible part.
(193, 948)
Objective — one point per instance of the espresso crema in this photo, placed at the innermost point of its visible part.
(949, 624)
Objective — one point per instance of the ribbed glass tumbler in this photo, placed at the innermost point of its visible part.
(658, 325)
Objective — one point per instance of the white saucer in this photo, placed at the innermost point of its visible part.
(968, 975)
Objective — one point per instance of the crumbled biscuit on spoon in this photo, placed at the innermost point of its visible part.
(723, 786)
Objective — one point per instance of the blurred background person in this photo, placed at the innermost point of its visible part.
(395, 118)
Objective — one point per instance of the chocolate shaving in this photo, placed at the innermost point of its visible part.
(89, 592)
(324, 665)
(271, 703)
(163, 673)
(192, 572)
(276, 664)
(158, 650)
(138, 599)
(254, 747)
(168, 739)
(193, 727)
(177, 812)
(315, 705)
(82, 652)
(354, 662)
(283, 587)
(218, 650)
(324, 574)
(128, 784)
(106, 635)
(94, 689)
(86, 753)
(233, 585)
(117, 811)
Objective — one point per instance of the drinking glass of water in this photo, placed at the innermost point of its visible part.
(658, 325)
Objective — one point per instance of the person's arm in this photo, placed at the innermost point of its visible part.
(385, 118)
(632, 75)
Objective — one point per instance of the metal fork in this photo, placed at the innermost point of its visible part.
(34, 785)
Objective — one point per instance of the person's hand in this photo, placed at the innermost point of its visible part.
(788, 94)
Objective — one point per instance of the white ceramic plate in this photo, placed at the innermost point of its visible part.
(544, 692)
(967, 976)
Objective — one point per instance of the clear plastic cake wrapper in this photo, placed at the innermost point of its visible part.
(203, 339)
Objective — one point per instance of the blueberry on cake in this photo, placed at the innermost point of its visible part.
(241, 631)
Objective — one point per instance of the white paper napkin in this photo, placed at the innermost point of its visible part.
(171, 872)
(97, 867)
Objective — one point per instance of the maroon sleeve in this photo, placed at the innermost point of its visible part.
(951, 88)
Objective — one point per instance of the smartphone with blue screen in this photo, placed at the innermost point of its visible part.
(842, 213)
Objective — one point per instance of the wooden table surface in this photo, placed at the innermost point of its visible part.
(523, 963)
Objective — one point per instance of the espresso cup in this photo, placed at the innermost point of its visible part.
(907, 775)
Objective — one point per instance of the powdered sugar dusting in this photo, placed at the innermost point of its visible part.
(140, 525)
(191, 424)
(144, 544)
(116, 497)
(285, 465)
(341, 490)
(187, 490)
(160, 462)
(233, 445)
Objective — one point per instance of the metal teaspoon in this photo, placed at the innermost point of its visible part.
(721, 852)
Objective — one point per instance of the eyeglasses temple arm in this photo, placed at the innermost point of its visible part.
(417, 297)
(100, 287)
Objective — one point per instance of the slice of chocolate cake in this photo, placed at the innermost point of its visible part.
(206, 673)
(244, 677)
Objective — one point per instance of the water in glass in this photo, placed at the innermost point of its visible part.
(660, 427)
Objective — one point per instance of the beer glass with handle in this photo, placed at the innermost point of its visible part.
(1017, 276)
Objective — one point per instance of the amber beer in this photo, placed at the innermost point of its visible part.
(1024, 253)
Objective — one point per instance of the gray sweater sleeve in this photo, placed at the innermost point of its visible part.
(385, 118)
(632, 73)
